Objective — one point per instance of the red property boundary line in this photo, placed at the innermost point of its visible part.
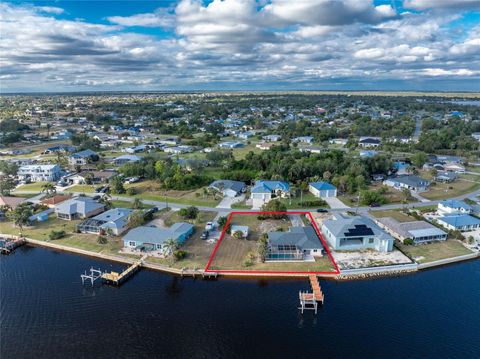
(246, 271)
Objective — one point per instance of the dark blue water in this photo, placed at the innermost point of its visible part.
(46, 313)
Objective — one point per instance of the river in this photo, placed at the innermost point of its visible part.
(47, 313)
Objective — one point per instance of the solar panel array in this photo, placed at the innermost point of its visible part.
(359, 230)
(287, 247)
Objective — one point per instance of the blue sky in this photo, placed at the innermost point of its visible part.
(426, 45)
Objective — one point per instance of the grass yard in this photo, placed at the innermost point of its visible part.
(81, 188)
(299, 202)
(127, 204)
(151, 190)
(41, 230)
(398, 215)
(430, 252)
(241, 153)
(31, 187)
(448, 190)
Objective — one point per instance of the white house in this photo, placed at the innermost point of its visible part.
(413, 183)
(303, 139)
(228, 188)
(451, 206)
(322, 189)
(356, 233)
(459, 222)
(40, 173)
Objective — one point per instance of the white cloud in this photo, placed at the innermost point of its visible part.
(162, 17)
(441, 4)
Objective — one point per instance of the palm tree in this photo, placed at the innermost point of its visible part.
(20, 215)
(106, 200)
(137, 203)
(170, 245)
(49, 188)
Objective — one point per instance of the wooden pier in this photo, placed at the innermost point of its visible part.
(9, 245)
(310, 300)
(117, 278)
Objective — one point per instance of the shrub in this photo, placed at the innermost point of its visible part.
(189, 212)
(131, 191)
(102, 240)
(56, 235)
(179, 254)
(408, 241)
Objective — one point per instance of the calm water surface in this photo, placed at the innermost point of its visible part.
(46, 313)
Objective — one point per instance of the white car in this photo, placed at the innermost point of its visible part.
(209, 226)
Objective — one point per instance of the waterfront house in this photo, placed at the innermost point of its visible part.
(412, 183)
(39, 173)
(228, 188)
(452, 206)
(459, 222)
(298, 244)
(121, 160)
(353, 233)
(83, 157)
(263, 191)
(418, 231)
(154, 239)
(114, 221)
(322, 189)
(78, 207)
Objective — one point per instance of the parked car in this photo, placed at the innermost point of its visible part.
(97, 197)
(205, 235)
(322, 210)
(374, 205)
(209, 226)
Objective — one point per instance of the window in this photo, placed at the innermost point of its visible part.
(370, 240)
(131, 244)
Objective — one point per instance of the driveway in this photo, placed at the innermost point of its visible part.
(335, 203)
(296, 220)
(227, 202)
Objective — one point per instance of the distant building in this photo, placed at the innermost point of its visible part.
(446, 177)
(40, 173)
(322, 189)
(121, 160)
(299, 243)
(228, 188)
(272, 138)
(230, 145)
(412, 183)
(177, 150)
(241, 229)
(83, 157)
(263, 191)
(418, 231)
(356, 233)
(303, 139)
(369, 142)
(368, 154)
(311, 149)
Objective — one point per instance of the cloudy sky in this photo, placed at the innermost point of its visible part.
(240, 44)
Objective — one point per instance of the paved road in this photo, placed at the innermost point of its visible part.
(418, 128)
(296, 220)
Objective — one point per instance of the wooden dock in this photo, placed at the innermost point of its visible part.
(9, 245)
(310, 300)
(117, 278)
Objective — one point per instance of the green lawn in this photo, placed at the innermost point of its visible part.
(448, 190)
(128, 204)
(241, 153)
(430, 252)
(36, 186)
(300, 202)
(396, 214)
(41, 230)
(81, 188)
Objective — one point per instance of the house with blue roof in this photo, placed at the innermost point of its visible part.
(459, 222)
(155, 239)
(114, 221)
(452, 206)
(296, 244)
(322, 189)
(263, 191)
(83, 157)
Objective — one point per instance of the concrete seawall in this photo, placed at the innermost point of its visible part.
(445, 261)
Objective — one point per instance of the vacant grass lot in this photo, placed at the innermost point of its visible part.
(232, 254)
(151, 190)
(398, 215)
(448, 190)
(430, 252)
(32, 187)
(81, 188)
